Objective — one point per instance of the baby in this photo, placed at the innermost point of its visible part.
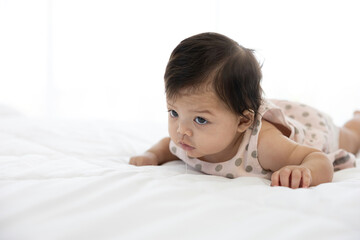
(220, 124)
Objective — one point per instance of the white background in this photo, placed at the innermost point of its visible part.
(105, 59)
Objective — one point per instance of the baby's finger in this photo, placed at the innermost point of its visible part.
(284, 177)
(306, 179)
(295, 178)
(132, 161)
(275, 181)
(136, 161)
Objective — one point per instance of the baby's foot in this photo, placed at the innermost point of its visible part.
(357, 114)
(343, 160)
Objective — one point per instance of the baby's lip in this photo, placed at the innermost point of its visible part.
(185, 146)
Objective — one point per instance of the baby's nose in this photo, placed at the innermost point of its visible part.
(183, 129)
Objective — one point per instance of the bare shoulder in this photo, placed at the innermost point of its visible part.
(274, 148)
(269, 129)
(265, 126)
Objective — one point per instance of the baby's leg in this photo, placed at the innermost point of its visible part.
(349, 139)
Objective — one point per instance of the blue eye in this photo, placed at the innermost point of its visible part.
(200, 120)
(173, 113)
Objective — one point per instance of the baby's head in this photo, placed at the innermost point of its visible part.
(214, 62)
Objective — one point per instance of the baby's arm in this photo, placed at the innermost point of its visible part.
(294, 165)
(156, 155)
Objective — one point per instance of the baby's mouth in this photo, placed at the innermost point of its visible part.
(186, 147)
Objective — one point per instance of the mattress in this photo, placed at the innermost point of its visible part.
(70, 179)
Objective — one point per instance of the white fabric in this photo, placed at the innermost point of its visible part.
(71, 180)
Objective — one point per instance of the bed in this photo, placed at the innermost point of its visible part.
(70, 179)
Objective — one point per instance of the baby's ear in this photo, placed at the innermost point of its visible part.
(246, 120)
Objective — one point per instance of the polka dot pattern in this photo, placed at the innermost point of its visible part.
(230, 175)
(238, 162)
(218, 168)
(198, 167)
(249, 168)
(296, 130)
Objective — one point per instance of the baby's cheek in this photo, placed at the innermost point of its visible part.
(172, 133)
(211, 146)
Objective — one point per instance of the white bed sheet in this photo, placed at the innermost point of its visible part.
(72, 180)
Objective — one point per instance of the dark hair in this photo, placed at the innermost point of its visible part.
(211, 58)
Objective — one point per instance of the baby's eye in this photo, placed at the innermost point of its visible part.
(173, 113)
(200, 120)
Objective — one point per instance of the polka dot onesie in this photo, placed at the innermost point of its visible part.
(307, 125)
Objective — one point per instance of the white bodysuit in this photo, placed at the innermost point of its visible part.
(307, 125)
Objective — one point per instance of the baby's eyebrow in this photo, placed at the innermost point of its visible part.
(169, 104)
(203, 111)
(195, 111)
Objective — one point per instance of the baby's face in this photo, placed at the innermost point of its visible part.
(203, 126)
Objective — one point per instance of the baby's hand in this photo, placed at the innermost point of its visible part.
(292, 176)
(148, 158)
